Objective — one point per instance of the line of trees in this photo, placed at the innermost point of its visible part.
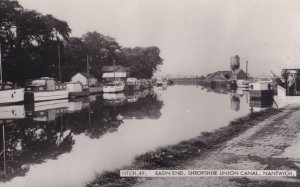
(30, 42)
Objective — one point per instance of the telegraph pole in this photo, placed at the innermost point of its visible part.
(88, 71)
(59, 71)
(0, 64)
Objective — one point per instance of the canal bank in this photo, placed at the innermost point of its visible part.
(263, 140)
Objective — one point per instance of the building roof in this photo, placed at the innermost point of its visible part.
(222, 73)
(86, 76)
(113, 69)
(112, 75)
(238, 71)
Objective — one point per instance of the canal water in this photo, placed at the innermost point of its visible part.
(67, 143)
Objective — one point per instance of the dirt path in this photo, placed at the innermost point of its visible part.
(272, 145)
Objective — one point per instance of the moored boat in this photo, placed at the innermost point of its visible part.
(242, 83)
(9, 93)
(261, 89)
(45, 89)
(133, 83)
(161, 82)
(75, 89)
(115, 86)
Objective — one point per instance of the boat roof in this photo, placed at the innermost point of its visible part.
(45, 78)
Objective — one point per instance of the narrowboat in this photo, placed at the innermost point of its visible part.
(133, 96)
(45, 89)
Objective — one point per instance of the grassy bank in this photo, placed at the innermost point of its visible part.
(176, 156)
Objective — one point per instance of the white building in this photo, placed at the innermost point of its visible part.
(82, 78)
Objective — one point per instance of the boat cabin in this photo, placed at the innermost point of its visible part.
(261, 85)
(44, 84)
(132, 80)
(6, 86)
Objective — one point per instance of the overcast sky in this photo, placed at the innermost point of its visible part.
(195, 36)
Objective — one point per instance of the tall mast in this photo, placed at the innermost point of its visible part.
(0, 64)
(4, 149)
(59, 71)
(88, 70)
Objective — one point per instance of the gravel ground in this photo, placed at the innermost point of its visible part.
(272, 144)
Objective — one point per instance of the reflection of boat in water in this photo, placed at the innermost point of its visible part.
(263, 103)
(235, 102)
(133, 96)
(242, 91)
(80, 104)
(46, 111)
(114, 98)
(76, 106)
(12, 112)
(45, 89)
(259, 104)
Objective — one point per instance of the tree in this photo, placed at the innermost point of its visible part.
(29, 42)
(143, 62)
(103, 50)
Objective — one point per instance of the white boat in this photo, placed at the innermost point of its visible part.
(9, 93)
(242, 83)
(45, 89)
(161, 82)
(133, 83)
(76, 89)
(115, 86)
(261, 89)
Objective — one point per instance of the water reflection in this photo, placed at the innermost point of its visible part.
(65, 143)
(41, 131)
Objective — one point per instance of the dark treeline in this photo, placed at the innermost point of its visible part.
(30, 43)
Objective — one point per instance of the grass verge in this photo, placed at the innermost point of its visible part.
(175, 156)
